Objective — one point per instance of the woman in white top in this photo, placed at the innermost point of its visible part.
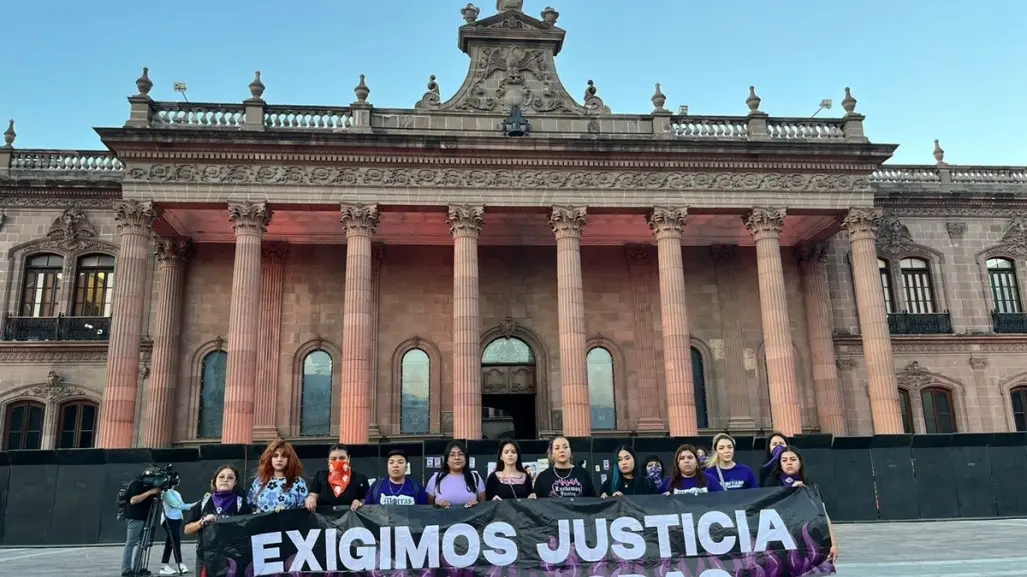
(171, 520)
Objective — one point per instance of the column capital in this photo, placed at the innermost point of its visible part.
(173, 251)
(723, 252)
(568, 221)
(765, 222)
(667, 222)
(274, 252)
(359, 219)
(135, 217)
(862, 223)
(465, 220)
(249, 217)
(810, 252)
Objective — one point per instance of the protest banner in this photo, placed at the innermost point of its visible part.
(756, 533)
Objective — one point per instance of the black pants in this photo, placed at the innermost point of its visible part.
(173, 540)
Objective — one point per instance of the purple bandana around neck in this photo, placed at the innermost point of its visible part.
(774, 456)
(223, 500)
(787, 480)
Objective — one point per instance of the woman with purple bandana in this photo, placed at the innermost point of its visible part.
(222, 502)
(790, 471)
(776, 443)
(654, 469)
(722, 465)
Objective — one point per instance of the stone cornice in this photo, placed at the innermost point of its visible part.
(72, 352)
(852, 346)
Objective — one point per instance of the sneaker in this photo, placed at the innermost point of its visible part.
(167, 570)
(182, 568)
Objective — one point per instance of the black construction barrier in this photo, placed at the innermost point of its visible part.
(67, 497)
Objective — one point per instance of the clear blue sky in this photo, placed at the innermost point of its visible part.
(920, 69)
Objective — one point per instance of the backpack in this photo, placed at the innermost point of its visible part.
(121, 503)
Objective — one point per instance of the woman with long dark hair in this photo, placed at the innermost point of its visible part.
(455, 484)
(687, 477)
(338, 485)
(223, 501)
(722, 465)
(776, 443)
(279, 483)
(627, 477)
(790, 471)
(510, 480)
(563, 478)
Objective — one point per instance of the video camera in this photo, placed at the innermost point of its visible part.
(160, 478)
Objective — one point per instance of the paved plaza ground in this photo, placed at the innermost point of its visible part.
(994, 548)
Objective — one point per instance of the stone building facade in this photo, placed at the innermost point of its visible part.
(510, 260)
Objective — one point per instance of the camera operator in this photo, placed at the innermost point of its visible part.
(140, 499)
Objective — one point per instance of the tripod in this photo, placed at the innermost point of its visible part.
(141, 561)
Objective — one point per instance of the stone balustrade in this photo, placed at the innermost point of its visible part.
(314, 118)
(67, 161)
(197, 115)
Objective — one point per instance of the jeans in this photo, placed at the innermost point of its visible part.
(134, 535)
(173, 540)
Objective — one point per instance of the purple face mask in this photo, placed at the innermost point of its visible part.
(774, 456)
(655, 474)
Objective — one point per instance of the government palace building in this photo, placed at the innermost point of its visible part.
(514, 260)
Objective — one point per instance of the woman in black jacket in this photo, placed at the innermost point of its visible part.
(627, 477)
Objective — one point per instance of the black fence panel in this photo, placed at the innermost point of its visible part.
(747, 454)
(30, 502)
(123, 465)
(935, 479)
(971, 468)
(5, 473)
(894, 478)
(78, 496)
(1007, 456)
(818, 460)
(854, 478)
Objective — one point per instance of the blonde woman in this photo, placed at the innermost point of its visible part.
(721, 464)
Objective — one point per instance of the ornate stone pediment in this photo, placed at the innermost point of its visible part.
(71, 230)
(914, 377)
(510, 19)
(53, 390)
(1014, 241)
(893, 237)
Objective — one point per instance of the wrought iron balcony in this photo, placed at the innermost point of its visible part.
(59, 328)
(920, 324)
(1009, 322)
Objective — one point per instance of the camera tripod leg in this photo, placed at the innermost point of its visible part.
(141, 563)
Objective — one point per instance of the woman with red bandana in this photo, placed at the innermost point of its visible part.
(337, 487)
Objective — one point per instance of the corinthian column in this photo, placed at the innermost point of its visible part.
(250, 221)
(812, 262)
(861, 225)
(567, 224)
(465, 224)
(765, 225)
(269, 339)
(172, 255)
(668, 224)
(117, 416)
(360, 221)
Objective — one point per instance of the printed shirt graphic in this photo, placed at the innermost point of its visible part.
(574, 482)
(274, 495)
(386, 492)
(688, 486)
(737, 477)
(453, 488)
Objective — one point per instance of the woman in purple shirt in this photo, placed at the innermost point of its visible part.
(455, 485)
(687, 477)
(776, 442)
(722, 465)
(790, 471)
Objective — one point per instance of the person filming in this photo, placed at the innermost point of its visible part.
(140, 498)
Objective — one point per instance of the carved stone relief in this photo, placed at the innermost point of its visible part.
(893, 237)
(54, 389)
(956, 230)
(71, 230)
(1014, 241)
(914, 377)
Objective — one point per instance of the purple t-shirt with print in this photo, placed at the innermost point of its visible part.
(737, 477)
(453, 488)
(688, 486)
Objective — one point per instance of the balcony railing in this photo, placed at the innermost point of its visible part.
(1009, 322)
(920, 324)
(59, 328)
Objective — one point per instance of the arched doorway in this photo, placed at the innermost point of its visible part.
(508, 390)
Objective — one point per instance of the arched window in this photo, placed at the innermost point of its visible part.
(78, 425)
(938, 413)
(508, 352)
(600, 389)
(42, 282)
(94, 286)
(906, 406)
(702, 417)
(889, 298)
(415, 376)
(212, 395)
(316, 395)
(916, 284)
(1004, 288)
(1019, 398)
(23, 426)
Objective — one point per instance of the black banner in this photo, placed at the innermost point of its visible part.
(757, 533)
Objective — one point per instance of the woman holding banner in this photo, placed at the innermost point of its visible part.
(455, 485)
(722, 465)
(510, 480)
(790, 471)
(626, 478)
(776, 442)
(563, 478)
(279, 483)
(687, 477)
(338, 486)
(223, 501)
